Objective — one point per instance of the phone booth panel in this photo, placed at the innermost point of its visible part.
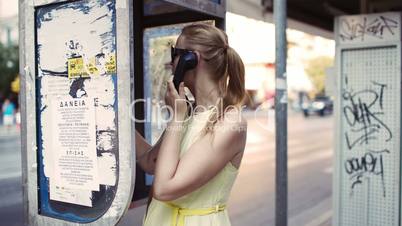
(77, 155)
(367, 172)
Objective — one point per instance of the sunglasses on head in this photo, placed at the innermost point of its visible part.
(174, 52)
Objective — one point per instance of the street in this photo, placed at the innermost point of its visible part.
(252, 198)
(310, 145)
(10, 181)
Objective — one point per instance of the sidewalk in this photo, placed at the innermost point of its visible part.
(9, 132)
(319, 215)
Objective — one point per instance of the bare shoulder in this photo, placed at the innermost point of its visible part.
(232, 130)
(232, 127)
(234, 119)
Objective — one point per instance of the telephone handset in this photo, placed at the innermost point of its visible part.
(186, 62)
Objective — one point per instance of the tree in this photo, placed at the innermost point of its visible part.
(9, 65)
(315, 69)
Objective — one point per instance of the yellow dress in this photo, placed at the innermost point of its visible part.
(205, 206)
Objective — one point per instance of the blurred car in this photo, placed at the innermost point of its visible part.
(321, 105)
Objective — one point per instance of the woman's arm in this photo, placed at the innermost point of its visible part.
(206, 157)
(146, 154)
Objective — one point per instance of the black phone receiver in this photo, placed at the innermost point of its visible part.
(186, 62)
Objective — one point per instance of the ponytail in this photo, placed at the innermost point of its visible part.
(235, 91)
(233, 84)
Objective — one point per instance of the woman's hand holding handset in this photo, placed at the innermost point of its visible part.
(146, 154)
(176, 100)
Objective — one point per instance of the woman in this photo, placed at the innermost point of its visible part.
(196, 160)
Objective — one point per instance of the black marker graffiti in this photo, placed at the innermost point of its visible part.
(77, 88)
(377, 27)
(370, 164)
(361, 111)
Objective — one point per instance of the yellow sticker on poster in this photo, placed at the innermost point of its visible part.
(75, 67)
(110, 64)
(91, 67)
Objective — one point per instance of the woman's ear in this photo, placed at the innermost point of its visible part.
(198, 57)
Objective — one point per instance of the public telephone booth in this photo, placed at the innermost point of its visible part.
(84, 65)
(157, 24)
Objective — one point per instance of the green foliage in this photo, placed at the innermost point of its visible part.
(9, 66)
(315, 69)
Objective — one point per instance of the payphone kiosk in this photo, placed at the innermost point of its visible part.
(84, 64)
(75, 69)
(158, 23)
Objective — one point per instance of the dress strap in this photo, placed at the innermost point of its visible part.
(178, 213)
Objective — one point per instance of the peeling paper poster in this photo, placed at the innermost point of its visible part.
(76, 80)
(74, 146)
(79, 197)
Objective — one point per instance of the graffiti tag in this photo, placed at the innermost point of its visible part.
(370, 164)
(362, 111)
(378, 27)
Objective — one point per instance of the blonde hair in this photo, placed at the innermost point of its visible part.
(223, 63)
